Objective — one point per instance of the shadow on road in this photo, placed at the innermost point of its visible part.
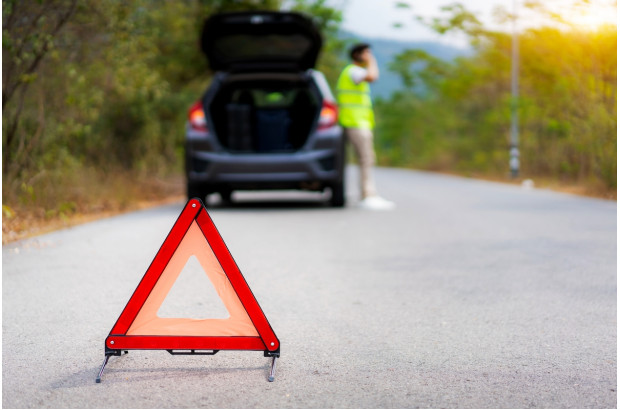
(113, 374)
(270, 201)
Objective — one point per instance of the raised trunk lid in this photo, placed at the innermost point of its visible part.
(260, 41)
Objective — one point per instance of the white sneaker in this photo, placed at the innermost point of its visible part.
(376, 203)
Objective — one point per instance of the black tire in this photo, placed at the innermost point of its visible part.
(226, 195)
(338, 199)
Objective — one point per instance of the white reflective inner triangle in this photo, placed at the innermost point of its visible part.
(193, 296)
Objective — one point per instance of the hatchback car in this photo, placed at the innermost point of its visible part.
(268, 120)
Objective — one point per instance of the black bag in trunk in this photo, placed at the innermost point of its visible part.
(239, 127)
(272, 130)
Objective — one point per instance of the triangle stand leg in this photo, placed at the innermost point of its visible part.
(105, 361)
(108, 353)
(272, 372)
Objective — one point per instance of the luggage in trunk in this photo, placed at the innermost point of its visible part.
(239, 127)
(254, 116)
(272, 130)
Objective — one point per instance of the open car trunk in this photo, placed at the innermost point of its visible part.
(264, 113)
(264, 41)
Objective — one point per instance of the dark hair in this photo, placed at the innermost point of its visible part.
(357, 49)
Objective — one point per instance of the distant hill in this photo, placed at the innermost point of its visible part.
(385, 50)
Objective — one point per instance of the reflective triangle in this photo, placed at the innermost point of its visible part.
(193, 235)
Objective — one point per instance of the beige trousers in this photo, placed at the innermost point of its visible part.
(362, 141)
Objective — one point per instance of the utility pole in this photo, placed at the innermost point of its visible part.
(514, 119)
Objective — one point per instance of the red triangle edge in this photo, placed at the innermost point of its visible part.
(267, 340)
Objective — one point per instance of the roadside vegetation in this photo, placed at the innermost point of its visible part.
(95, 94)
(454, 116)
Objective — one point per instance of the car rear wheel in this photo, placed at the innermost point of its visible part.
(338, 199)
(226, 195)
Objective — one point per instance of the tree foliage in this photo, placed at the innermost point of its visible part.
(455, 116)
(94, 88)
(328, 21)
(97, 87)
(28, 34)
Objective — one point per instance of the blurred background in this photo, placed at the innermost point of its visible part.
(95, 94)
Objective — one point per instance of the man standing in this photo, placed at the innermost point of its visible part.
(357, 118)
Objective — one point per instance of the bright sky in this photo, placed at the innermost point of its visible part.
(375, 18)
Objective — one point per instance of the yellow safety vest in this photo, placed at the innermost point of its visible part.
(354, 102)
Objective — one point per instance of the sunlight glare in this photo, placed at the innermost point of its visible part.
(591, 15)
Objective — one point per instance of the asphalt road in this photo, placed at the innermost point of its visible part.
(470, 294)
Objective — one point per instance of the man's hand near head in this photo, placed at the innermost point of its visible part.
(368, 61)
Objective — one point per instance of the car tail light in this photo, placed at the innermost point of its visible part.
(196, 116)
(329, 115)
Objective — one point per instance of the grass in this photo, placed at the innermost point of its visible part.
(84, 201)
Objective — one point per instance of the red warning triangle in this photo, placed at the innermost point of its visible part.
(139, 326)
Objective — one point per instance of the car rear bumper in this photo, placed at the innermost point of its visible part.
(320, 163)
(215, 167)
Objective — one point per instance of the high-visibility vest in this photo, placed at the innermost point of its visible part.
(354, 102)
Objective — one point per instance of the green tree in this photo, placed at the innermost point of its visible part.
(455, 116)
(417, 67)
(328, 21)
(29, 31)
(99, 88)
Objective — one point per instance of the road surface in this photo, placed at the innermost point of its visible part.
(468, 294)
